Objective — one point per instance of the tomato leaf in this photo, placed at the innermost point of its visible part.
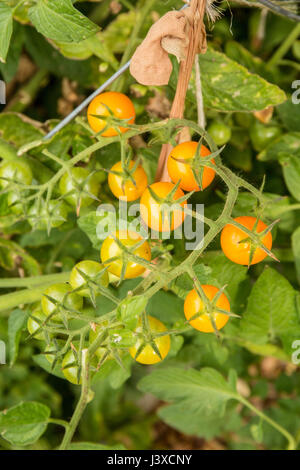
(286, 143)
(6, 28)
(130, 309)
(291, 172)
(59, 20)
(271, 309)
(228, 86)
(16, 323)
(296, 250)
(289, 115)
(23, 424)
(203, 392)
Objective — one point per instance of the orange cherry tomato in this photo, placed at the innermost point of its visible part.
(183, 171)
(193, 304)
(110, 102)
(110, 249)
(125, 190)
(155, 214)
(238, 251)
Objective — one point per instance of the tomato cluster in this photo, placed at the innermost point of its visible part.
(125, 254)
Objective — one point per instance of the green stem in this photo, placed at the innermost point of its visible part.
(141, 16)
(34, 280)
(81, 405)
(25, 296)
(26, 95)
(28, 296)
(284, 432)
(127, 5)
(282, 50)
(59, 422)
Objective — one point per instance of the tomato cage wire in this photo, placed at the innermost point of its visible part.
(268, 3)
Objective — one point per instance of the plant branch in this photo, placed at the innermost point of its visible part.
(81, 405)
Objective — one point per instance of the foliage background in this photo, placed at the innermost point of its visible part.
(47, 75)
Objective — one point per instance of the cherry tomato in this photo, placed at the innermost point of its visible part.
(220, 132)
(39, 215)
(111, 249)
(261, 135)
(238, 251)
(34, 325)
(124, 189)
(183, 171)
(163, 343)
(90, 269)
(77, 186)
(70, 373)
(105, 104)
(15, 171)
(158, 215)
(58, 292)
(193, 304)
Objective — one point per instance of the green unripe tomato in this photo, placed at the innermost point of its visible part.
(50, 348)
(58, 292)
(14, 203)
(220, 132)
(33, 325)
(16, 171)
(262, 135)
(80, 184)
(90, 269)
(39, 216)
(244, 119)
(70, 373)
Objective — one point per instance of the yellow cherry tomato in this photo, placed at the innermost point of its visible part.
(238, 251)
(126, 190)
(193, 304)
(179, 170)
(163, 343)
(157, 215)
(90, 269)
(105, 104)
(111, 249)
(70, 373)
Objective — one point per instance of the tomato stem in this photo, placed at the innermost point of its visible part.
(81, 405)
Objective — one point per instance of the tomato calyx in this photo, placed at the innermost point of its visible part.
(210, 306)
(169, 199)
(61, 308)
(255, 239)
(127, 172)
(80, 188)
(198, 163)
(111, 121)
(127, 255)
(147, 337)
(50, 214)
(92, 283)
